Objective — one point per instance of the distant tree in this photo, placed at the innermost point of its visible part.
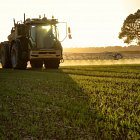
(130, 30)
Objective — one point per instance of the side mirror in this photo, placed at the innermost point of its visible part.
(69, 33)
(70, 37)
(69, 30)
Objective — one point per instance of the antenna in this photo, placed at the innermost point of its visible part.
(14, 21)
(24, 18)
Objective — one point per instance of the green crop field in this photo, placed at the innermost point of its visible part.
(71, 103)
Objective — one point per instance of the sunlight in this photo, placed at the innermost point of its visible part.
(47, 28)
(92, 22)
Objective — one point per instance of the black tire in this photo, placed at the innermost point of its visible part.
(17, 62)
(36, 63)
(5, 57)
(52, 63)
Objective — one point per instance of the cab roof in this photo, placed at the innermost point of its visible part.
(43, 21)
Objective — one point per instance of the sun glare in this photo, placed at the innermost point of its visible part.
(47, 28)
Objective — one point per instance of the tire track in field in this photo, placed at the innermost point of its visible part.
(110, 71)
(102, 74)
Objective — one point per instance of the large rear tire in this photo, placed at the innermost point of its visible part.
(52, 63)
(36, 63)
(5, 57)
(16, 61)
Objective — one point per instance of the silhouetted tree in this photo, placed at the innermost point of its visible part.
(130, 30)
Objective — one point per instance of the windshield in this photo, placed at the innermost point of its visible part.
(44, 36)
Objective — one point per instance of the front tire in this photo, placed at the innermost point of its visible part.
(36, 63)
(16, 61)
(52, 63)
(5, 57)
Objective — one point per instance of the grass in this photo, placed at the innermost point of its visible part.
(85, 103)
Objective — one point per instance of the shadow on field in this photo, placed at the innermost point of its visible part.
(71, 113)
(44, 104)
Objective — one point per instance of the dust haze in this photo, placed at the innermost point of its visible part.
(99, 62)
(95, 62)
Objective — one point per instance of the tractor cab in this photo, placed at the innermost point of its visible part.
(43, 33)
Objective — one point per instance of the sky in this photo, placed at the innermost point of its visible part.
(93, 22)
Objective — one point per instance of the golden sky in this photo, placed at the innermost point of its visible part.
(92, 22)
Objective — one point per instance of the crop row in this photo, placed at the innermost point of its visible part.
(114, 96)
(113, 72)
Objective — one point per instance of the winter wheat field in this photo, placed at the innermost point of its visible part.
(79, 102)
